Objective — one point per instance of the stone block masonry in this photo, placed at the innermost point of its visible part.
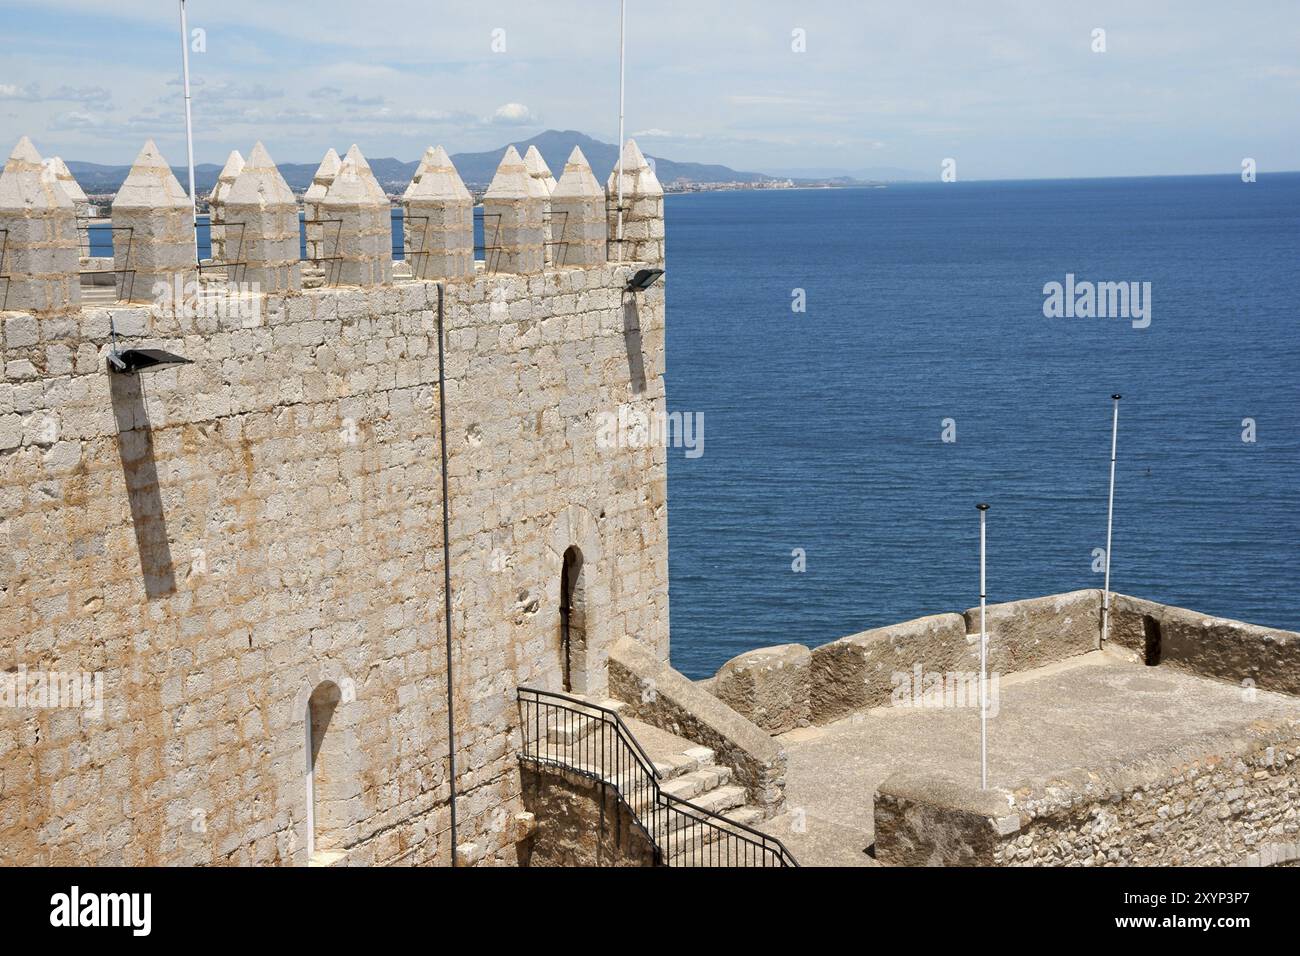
(153, 230)
(38, 237)
(1229, 800)
(260, 227)
(257, 536)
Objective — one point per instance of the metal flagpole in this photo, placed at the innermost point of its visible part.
(1110, 515)
(622, 75)
(984, 648)
(189, 124)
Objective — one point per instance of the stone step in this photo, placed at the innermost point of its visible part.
(687, 786)
(721, 799)
(750, 816)
(568, 729)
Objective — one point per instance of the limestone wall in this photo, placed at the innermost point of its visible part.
(786, 687)
(1230, 800)
(580, 823)
(661, 696)
(216, 541)
(1245, 654)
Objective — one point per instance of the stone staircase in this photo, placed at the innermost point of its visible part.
(687, 771)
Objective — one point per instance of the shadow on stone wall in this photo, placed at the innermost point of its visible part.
(135, 449)
(579, 823)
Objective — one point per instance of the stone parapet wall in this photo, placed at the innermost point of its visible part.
(216, 540)
(780, 687)
(659, 695)
(1245, 654)
(1231, 800)
(769, 686)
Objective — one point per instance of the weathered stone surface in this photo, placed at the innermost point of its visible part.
(359, 246)
(1245, 654)
(1038, 631)
(1229, 800)
(770, 686)
(858, 671)
(572, 829)
(153, 231)
(642, 198)
(56, 167)
(217, 211)
(264, 207)
(271, 519)
(514, 211)
(438, 222)
(578, 216)
(543, 185)
(933, 821)
(312, 201)
(40, 242)
(659, 695)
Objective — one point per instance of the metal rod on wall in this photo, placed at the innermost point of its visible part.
(984, 663)
(622, 75)
(1110, 515)
(189, 125)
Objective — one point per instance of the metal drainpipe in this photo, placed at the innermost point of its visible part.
(446, 575)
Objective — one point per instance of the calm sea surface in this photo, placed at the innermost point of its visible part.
(925, 302)
(822, 429)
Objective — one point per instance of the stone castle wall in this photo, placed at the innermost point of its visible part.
(219, 540)
(1229, 800)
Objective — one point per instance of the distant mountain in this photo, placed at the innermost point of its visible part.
(475, 168)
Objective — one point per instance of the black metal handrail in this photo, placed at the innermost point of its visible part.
(682, 833)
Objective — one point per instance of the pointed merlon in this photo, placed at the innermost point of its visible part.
(229, 173)
(511, 181)
(25, 185)
(325, 173)
(59, 170)
(577, 181)
(259, 183)
(439, 181)
(39, 237)
(539, 173)
(425, 164)
(355, 183)
(638, 178)
(150, 184)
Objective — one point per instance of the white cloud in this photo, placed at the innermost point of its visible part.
(513, 114)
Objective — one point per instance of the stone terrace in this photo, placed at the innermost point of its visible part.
(1096, 710)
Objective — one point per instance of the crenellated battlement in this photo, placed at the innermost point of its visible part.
(266, 240)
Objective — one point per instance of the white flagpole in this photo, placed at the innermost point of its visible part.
(984, 663)
(189, 124)
(622, 76)
(1110, 515)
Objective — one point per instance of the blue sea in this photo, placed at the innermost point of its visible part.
(925, 302)
(823, 429)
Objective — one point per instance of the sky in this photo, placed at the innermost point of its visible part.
(1008, 90)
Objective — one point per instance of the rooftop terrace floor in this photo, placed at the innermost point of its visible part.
(1093, 711)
